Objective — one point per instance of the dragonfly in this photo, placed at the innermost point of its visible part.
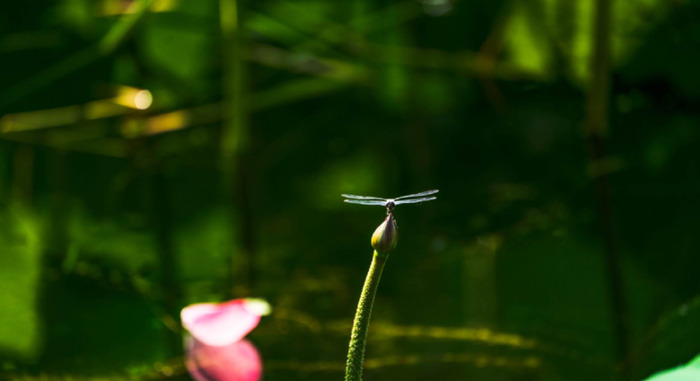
(390, 203)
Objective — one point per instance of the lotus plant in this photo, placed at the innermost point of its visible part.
(383, 241)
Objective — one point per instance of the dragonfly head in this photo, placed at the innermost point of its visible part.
(390, 206)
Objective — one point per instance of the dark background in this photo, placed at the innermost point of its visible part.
(157, 154)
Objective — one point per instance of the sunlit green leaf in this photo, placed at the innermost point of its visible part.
(689, 372)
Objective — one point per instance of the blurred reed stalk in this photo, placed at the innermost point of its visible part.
(597, 126)
(158, 194)
(235, 145)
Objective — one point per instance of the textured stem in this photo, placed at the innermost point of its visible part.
(358, 338)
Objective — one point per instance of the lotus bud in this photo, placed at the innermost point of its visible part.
(386, 236)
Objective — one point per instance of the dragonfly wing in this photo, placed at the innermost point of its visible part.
(367, 202)
(412, 200)
(362, 197)
(417, 194)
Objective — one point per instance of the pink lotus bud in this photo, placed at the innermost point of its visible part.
(386, 236)
(215, 349)
(221, 324)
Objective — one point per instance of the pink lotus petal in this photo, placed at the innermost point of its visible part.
(239, 361)
(220, 324)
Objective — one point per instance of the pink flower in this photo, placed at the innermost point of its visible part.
(216, 349)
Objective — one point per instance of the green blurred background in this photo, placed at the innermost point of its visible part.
(159, 153)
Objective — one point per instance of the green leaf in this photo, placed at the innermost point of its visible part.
(689, 372)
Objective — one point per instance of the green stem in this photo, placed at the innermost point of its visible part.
(358, 338)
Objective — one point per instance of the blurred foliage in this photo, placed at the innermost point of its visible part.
(121, 200)
(19, 278)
